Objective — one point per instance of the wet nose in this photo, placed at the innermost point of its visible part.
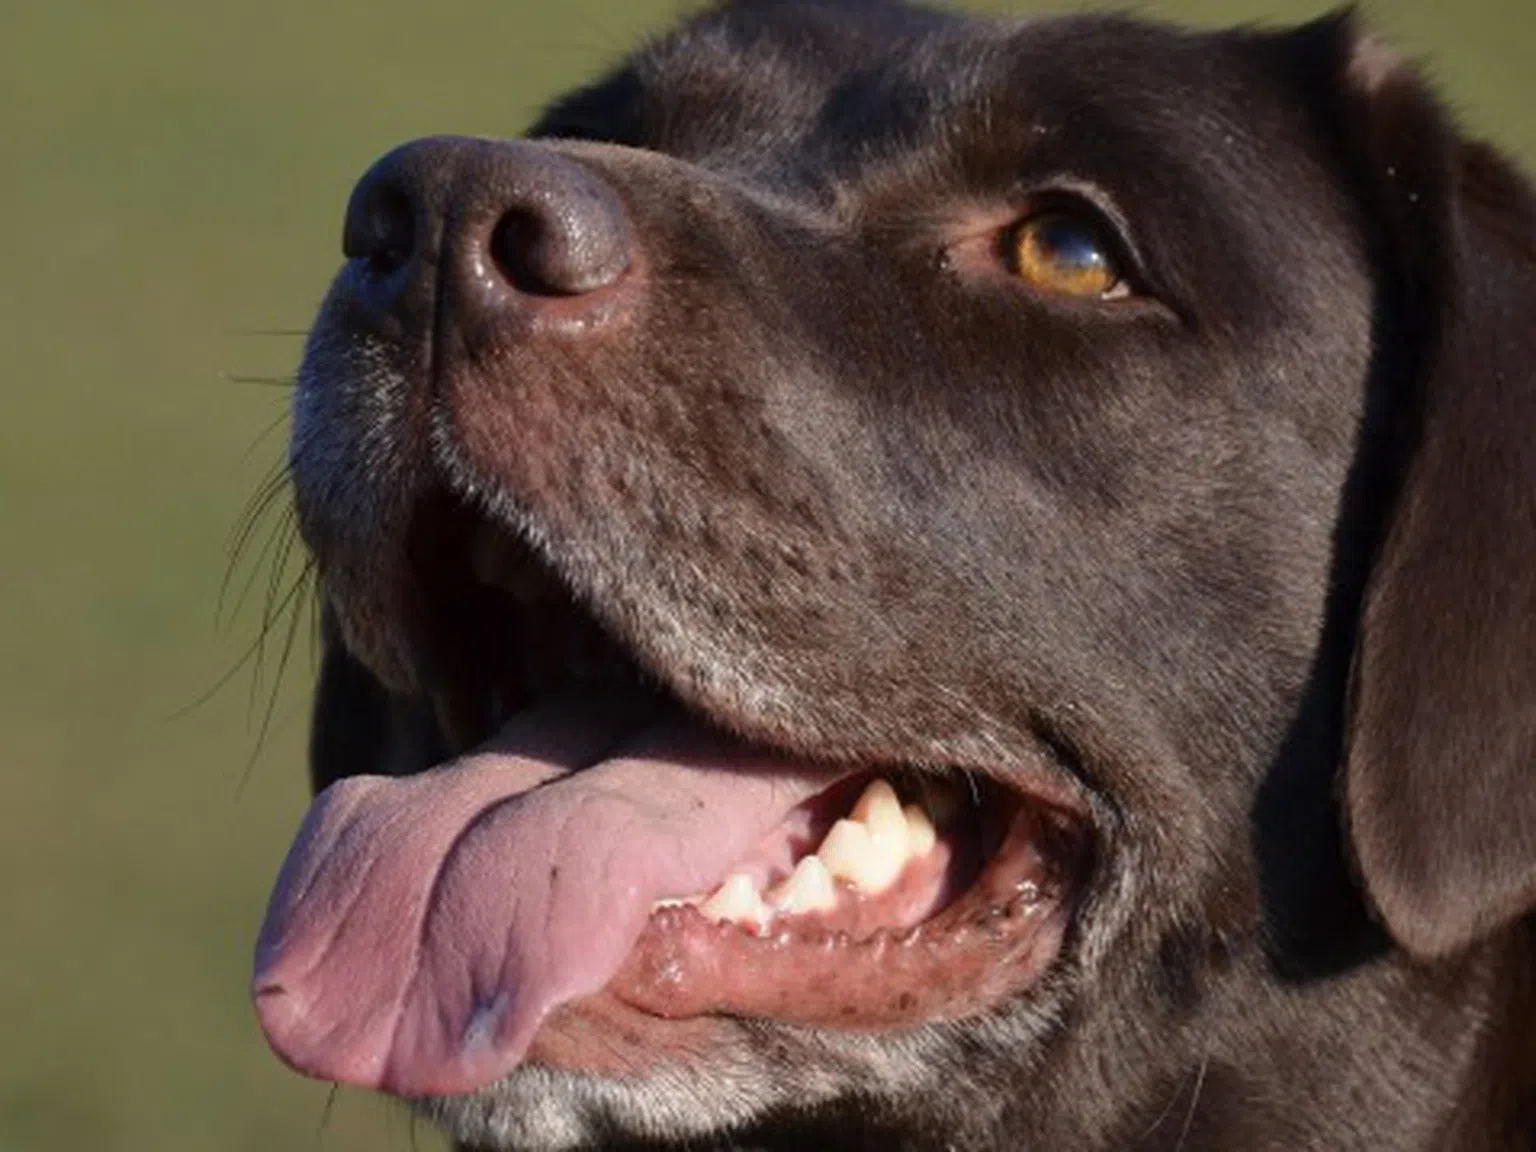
(510, 227)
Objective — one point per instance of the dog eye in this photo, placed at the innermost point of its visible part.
(1066, 255)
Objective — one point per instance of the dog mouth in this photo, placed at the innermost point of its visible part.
(592, 835)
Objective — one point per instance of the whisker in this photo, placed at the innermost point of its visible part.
(277, 600)
(289, 599)
(278, 421)
(258, 564)
(325, 1115)
(970, 780)
(272, 489)
(251, 654)
(1194, 1101)
(283, 332)
(263, 381)
(295, 612)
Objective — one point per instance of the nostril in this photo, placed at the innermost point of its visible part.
(516, 247)
(380, 228)
(568, 248)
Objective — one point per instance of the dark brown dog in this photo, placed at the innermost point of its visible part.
(1123, 441)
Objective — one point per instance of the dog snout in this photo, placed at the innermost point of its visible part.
(513, 229)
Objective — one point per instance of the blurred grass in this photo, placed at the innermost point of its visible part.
(169, 206)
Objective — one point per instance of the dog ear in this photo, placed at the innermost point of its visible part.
(1440, 768)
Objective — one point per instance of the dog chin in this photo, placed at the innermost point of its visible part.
(770, 1086)
(543, 1109)
(538, 1109)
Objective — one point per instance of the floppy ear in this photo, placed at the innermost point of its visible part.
(1440, 774)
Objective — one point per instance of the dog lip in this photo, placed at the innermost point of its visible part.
(996, 938)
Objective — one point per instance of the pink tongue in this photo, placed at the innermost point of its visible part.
(422, 928)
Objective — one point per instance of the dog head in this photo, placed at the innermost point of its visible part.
(1110, 442)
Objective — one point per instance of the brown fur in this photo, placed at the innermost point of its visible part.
(1251, 556)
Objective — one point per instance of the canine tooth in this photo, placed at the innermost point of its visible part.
(808, 888)
(880, 811)
(921, 834)
(738, 900)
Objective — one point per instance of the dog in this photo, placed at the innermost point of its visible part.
(902, 580)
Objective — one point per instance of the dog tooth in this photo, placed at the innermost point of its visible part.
(845, 850)
(808, 888)
(852, 853)
(674, 902)
(739, 901)
(880, 811)
(888, 860)
(921, 834)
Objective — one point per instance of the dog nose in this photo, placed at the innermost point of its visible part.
(507, 226)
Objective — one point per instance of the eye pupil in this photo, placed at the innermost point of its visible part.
(1071, 245)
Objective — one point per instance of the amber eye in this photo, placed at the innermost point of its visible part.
(1066, 255)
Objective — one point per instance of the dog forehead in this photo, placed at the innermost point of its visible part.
(813, 92)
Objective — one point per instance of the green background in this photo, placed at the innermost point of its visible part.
(173, 178)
